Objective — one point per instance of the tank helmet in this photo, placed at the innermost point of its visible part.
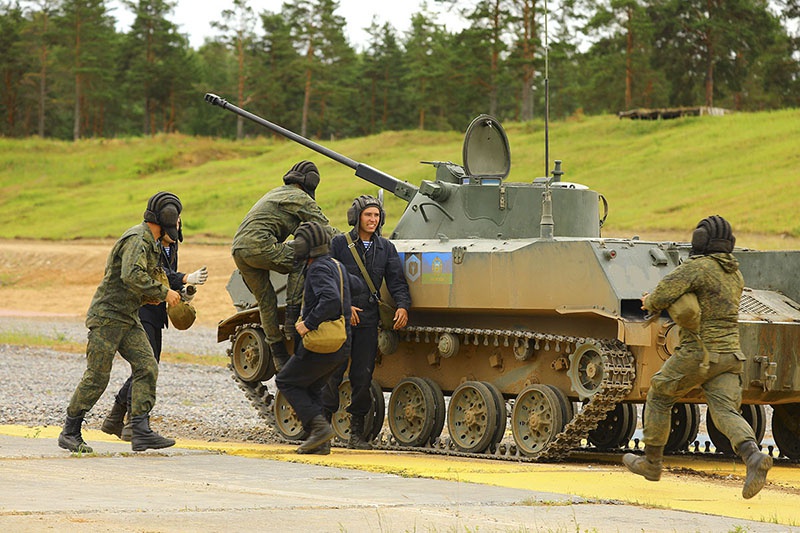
(359, 204)
(713, 235)
(305, 174)
(182, 315)
(311, 240)
(164, 209)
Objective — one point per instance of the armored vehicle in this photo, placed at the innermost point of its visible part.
(520, 302)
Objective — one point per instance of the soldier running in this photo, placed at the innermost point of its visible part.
(711, 359)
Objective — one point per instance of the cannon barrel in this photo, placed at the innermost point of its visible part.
(401, 189)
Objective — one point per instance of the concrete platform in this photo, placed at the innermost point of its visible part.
(181, 489)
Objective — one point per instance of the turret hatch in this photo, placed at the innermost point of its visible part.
(487, 157)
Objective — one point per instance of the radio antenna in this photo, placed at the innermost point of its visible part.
(546, 94)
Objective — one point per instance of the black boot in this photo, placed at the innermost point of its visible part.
(648, 466)
(115, 420)
(320, 433)
(279, 355)
(357, 441)
(127, 429)
(292, 313)
(71, 438)
(757, 466)
(322, 449)
(144, 437)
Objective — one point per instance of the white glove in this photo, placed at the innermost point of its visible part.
(198, 277)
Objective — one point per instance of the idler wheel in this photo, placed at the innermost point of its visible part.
(250, 356)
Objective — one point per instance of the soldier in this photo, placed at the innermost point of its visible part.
(326, 297)
(154, 316)
(259, 247)
(130, 279)
(370, 259)
(711, 358)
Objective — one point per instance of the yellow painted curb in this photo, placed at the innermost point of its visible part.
(709, 487)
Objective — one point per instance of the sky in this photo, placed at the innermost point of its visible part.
(194, 18)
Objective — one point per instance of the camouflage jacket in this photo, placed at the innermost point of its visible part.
(129, 278)
(276, 216)
(716, 281)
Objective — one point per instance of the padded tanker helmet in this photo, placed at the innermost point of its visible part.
(164, 209)
(311, 240)
(305, 174)
(359, 204)
(182, 315)
(713, 235)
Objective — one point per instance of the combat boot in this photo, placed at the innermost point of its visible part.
(71, 438)
(320, 433)
(127, 429)
(357, 441)
(279, 355)
(115, 420)
(144, 437)
(292, 313)
(648, 466)
(757, 466)
(324, 449)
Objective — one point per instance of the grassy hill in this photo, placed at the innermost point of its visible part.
(659, 176)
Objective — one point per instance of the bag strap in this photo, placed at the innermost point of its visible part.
(341, 284)
(361, 266)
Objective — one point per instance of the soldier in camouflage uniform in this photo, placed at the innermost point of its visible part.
(259, 247)
(712, 275)
(114, 326)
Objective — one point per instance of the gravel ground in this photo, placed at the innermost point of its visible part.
(193, 401)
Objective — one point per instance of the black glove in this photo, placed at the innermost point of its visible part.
(292, 314)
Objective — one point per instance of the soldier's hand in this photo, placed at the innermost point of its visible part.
(173, 297)
(301, 328)
(198, 277)
(400, 318)
(354, 318)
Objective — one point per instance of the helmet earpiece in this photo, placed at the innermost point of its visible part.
(164, 209)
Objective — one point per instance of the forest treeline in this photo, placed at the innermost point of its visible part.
(69, 73)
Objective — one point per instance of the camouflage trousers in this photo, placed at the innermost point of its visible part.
(722, 385)
(132, 344)
(255, 267)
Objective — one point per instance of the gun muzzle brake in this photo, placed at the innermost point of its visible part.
(213, 99)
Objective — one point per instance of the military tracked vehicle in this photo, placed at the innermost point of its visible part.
(520, 302)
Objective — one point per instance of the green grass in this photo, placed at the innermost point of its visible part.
(656, 175)
(59, 343)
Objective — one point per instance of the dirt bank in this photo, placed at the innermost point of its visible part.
(59, 278)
